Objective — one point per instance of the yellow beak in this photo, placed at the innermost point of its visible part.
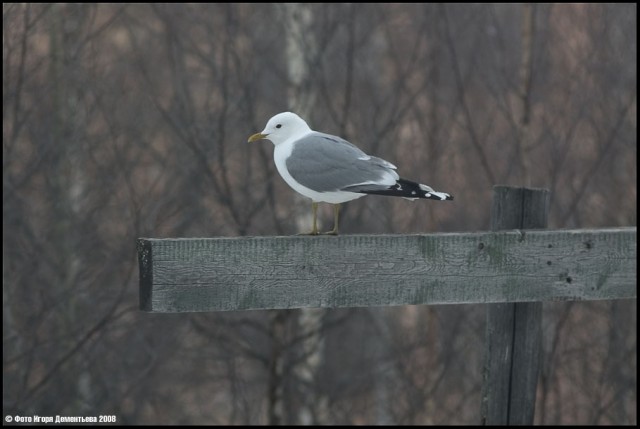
(257, 136)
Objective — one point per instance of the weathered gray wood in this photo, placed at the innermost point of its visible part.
(514, 330)
(525, 366)
(212, 274)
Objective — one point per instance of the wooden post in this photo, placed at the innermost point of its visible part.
(514, 330)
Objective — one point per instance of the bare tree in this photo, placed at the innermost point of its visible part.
(126, 121)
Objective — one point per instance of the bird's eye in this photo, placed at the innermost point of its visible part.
(279, 126)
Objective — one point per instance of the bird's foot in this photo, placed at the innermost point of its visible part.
(334, 231)
(312, 232)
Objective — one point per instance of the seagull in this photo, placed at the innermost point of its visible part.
(327, 168)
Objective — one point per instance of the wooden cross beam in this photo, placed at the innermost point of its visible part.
(519, 268)
(251, 273)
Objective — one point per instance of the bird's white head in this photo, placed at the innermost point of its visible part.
(282, 127)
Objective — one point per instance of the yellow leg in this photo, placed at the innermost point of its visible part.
(336, 216)
(314, 230)
(314, 208)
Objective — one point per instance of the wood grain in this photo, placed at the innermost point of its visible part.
(216, 274)
(514, 330)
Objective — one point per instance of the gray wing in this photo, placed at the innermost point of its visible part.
(326, 163)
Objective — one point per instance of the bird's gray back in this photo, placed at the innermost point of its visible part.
(326, 163)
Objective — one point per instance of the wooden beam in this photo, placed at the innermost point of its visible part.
(216, 274)
(514, 330)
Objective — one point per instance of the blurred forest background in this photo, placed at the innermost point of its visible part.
(126, 121)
